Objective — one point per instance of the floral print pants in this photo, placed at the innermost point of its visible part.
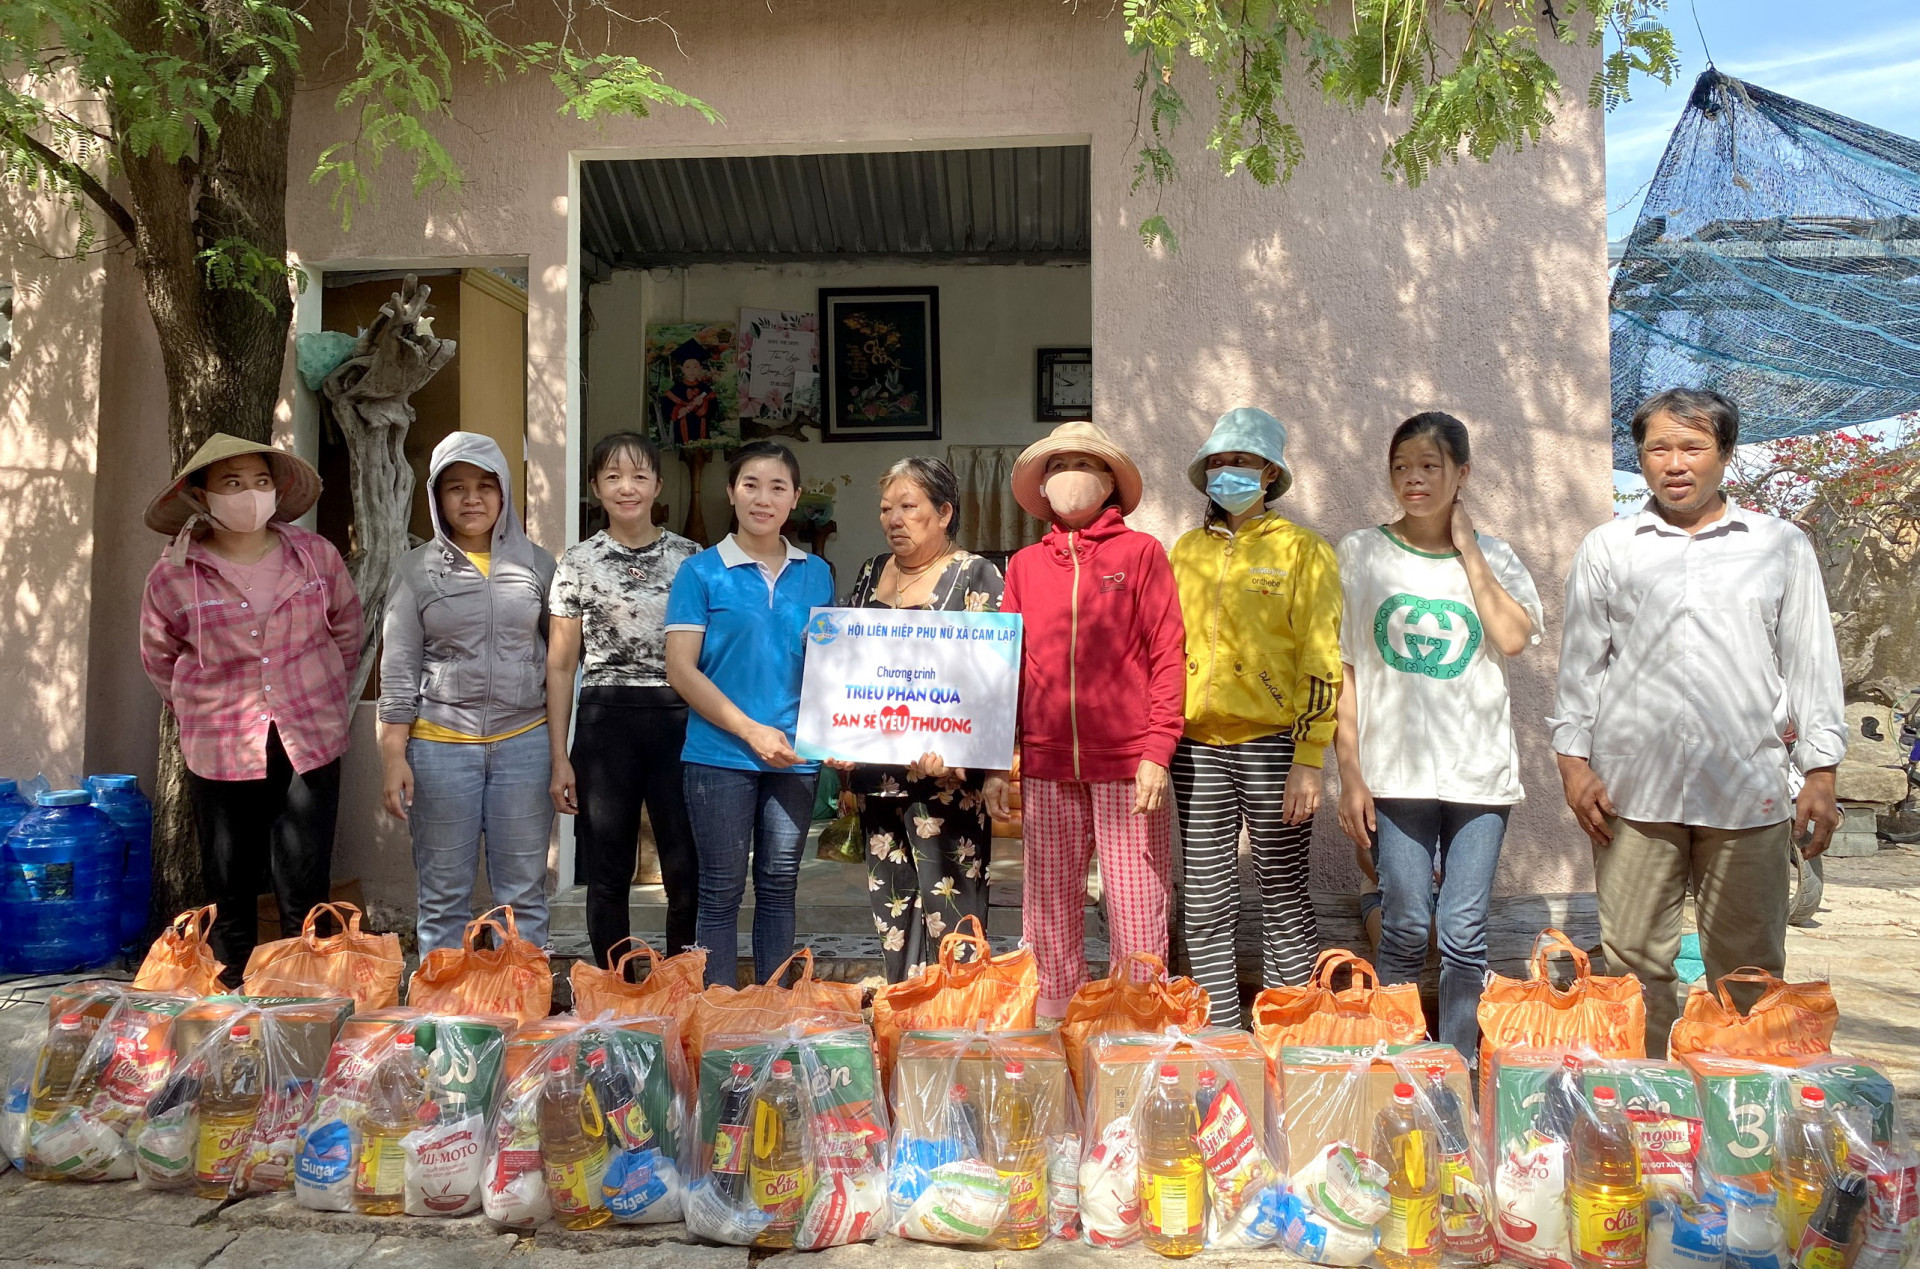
(927, 852)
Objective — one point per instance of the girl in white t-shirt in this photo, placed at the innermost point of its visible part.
(1428, 767)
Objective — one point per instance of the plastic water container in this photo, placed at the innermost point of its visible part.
(13, 807)
(60, 873)
(120, 797)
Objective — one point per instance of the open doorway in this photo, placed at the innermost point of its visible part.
(483, 389)
(746, 285)
(729, 298)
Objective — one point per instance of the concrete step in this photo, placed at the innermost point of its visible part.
(840, 958)
(832, 900)
(834, 917)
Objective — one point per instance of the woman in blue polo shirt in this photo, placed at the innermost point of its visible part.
(734, 623)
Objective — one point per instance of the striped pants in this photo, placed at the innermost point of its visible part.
(1217, 787)
(1063, 822)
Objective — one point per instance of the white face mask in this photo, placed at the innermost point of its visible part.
(246, 511)
(1071, 493)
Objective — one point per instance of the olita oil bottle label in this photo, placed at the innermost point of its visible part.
(573, 1188)
(1174, 1207)
(1609, 1228)
(218, 1150)
(1411, 1226)
(730, 1148)
(1025, 1210)
(778, 1193)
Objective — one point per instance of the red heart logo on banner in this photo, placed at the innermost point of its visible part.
(894, 717)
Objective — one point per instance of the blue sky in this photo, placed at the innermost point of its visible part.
(1860, 58)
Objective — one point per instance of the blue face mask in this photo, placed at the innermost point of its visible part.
(1235, 488)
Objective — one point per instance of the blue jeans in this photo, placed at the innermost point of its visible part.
(1416, 835)
(736, 815)
(462, 793)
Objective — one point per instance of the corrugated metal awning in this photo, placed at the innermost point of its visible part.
(1027, 204)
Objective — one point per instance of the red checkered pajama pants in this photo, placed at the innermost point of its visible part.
(1063, 821)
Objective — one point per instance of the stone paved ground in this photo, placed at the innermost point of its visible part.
(1866, 941)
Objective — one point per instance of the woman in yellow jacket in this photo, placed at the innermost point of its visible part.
(1261, 599)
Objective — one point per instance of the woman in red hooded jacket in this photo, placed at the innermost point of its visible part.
(1102, 683)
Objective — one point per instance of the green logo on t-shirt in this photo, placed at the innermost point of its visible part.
(1434, 637)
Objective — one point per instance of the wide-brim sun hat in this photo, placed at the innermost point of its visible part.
(1245, 431)
(1030, 469)
(297, 483)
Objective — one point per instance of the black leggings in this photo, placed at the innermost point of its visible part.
(275, 832)
(626, 751)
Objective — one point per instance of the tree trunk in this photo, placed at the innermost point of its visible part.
(222, 348)
(369, 394)
(177, 883)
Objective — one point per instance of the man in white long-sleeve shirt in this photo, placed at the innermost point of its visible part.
(1700, 713)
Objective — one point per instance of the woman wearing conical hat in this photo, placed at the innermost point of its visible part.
(250, 630)
(1102, 682)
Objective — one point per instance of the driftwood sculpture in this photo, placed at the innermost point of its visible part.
(368, 396)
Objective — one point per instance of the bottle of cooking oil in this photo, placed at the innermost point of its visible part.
(1410, 1233)
(54, 1076)
(573, 1147)
(395, 1096)
(1019, 1152)
(229, 1104)
(776, 1175)
(1607, 1198)
(1812, 1151)
(1173, 1188)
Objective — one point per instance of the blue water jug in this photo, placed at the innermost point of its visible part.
(13, 807)
(120, 797)
(60, 872)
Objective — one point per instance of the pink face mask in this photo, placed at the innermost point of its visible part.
(1070, 493)
(245, 511)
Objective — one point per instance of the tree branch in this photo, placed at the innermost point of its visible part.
(83, 180)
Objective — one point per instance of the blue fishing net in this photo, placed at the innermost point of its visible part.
(1776, 261)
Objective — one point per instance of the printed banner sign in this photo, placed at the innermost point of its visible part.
(886, 686)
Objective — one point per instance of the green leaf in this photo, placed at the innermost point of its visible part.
(1482, 90)
(1155, 230)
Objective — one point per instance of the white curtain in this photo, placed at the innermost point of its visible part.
(990, 519)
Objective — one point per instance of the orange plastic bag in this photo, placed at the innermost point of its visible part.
(763, 1007)
(1790, 1020)
(511, 978)
(1607, 1016)
(669, 990)
(1317, 1016)
(181, 959)
(1000, 993)
(353, 963)
(1120, 1002)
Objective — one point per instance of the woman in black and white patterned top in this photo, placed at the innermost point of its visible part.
(925, 826)
(609, 601)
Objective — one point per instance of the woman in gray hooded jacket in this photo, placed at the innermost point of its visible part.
(463, 707)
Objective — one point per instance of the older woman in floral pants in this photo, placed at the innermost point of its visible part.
(925, 825)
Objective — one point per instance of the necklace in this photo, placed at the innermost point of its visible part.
(901, 570)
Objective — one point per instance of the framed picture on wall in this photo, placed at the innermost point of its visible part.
(880, 372)
(693, 382)
(1063, 385)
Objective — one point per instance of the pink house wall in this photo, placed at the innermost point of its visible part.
(49, 437)
(1340, 302)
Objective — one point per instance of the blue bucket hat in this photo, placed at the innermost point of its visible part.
(1245, 431)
